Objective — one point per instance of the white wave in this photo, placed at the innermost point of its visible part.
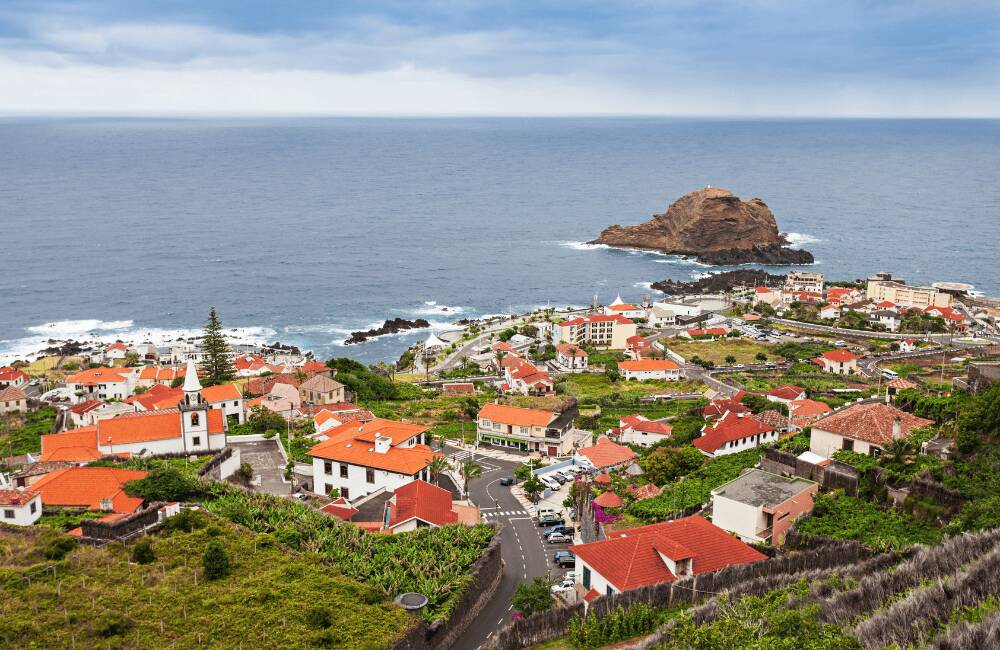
(798, 239)
(583, 246)
(647, 286)
(431, 308)
(94, 334)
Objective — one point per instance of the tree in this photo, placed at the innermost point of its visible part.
(166, 484)
(438, 466)
(245, 473)
(131, 359)
(469, 471)
(612, 373)
(533, 488)
(667, 463)
(262, 419)
(761, 356)
(142, 552)
(217, 366)
(215, 561)
(534, 596)
(730, 359)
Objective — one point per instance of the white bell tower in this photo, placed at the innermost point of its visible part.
(193, 412)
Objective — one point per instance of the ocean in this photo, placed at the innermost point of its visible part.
(302, 230)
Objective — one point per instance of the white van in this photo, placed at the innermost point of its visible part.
(890, 374)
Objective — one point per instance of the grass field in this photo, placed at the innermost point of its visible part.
(21, 437)
(589, 387)
(273, 597)
(716, 351)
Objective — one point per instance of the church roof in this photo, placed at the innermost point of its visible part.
(191, 383)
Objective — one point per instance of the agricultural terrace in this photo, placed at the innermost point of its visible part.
(22, 434)
(717, 351)
(591, 387)
(58, 595)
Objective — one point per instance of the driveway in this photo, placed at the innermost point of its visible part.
(267, 462)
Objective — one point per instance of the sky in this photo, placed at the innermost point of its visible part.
(752, 58)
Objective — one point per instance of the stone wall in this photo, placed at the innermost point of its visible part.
(223, 465)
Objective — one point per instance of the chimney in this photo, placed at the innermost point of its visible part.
(106, 505)
(382, 444)
(897, 428)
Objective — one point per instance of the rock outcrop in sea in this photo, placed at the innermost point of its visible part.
(388, 327)
(713, 225)
(720, 282)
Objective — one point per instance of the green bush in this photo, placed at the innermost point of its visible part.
(166, 483)
(618, 625)
(319, 617)
(215, 561)
(59, 548)
(142, 552)
(112, 625)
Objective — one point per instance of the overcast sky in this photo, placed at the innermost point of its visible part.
(537, 57)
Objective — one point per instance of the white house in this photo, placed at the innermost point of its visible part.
(890, 320)
(228, 399)
(571, 357)
(13, 400)
(786, 393)
(733, 433)
(642, 369)
(679, 308)
(20, 507)
(840, 362)
(830, 312)
(759, 506)
(359, 458)
(11, 377)
(659, 316)
(103, 383)
(909, 345)
(618, 306)
(640, 430)
(862, 428)
(106, 412)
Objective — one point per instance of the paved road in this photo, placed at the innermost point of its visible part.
(524, 554)
(267, 462)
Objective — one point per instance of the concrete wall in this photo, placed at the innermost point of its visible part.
(825, 443)
(597, 581)
(356, 482)
(737, 517)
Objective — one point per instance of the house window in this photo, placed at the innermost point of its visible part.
(196, 441)
(327, 467)
(847, 445)
(524, 431)
(8, 514)
(343, 493)
(496, 426)
(343, 470)
(586, 577)
(369, 475)
(33, 507)
(874, 452)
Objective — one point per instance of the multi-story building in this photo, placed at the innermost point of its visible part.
(884, 287)
(359, 458)
(546, 432)
(807, 281)
(759, 506)
(599, 330)
(103, 383)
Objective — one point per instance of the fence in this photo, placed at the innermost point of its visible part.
(835, 475)
(120, 528)
(440, 635)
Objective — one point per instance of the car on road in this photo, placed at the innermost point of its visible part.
(563, 585)
(558, 528)
(551, 519)
(559, 538)
(506, 480)
(564, 559)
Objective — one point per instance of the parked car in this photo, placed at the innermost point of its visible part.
(566, 474)
(563, 585)
(559, 528)
(559, 538)
(552, 484)
(551, 519)
(506, 480)
(564, 559)
(557, 477)
(570, 575)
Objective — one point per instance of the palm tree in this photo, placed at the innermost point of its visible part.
(438, 466)
(899, 450)
(469, 471)
(500, 354)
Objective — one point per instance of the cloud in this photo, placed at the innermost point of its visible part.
(743, 57)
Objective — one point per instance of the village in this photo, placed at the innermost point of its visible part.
(604, 450)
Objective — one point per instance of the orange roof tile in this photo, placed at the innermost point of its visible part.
(842, 356)
(94, 376)
(87, 486)
(730, 428)
(221, 393)
(154, 425)
(421, 500)
(788, 392)
(870, 422)
(77, 445)
(608, 500)
(16, 497)
(515, 415)
(607, 454)
(353, 443)
(631, 558)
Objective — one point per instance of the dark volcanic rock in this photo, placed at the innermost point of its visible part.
(720, 282)
(388, 327)
(713, 225)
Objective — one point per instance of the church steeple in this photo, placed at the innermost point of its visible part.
(192, 387)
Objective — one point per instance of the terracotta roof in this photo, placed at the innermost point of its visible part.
(900, 384)
(421, 500)
(87, 486)
(631, 558)
(636, 342)
(340, 508)
(607, 454)
(77, 445)
(321, 384)
(12, 394)
(730, 428)
(711, 331)
(221, 393)
(808, 408)
(85, 406)
(16, 497)
(502, 346)
(94, 376)
(870, 422)
(462, 387)
(571, 350)
(719, 407)
(648, 365)
(515, 415)
(608, 500)
(592, 595)
(839, 356)
(9, 374)
(154, 425)
(647, 491)
(158, 397)
(772, 418)
(623, 307)
(602, 479)
(311, 367)
(354, 443)
(640, 423)
(788, 392)
(152, 373)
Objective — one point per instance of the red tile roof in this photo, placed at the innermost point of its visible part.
(85, 406)
(94, 376)
(640, 423)
(463, 387)
(607, 454)
(340, 508)
(77, 445)
(608, 500)
(87, 486)
(354, 443)
(808, 408)
(153, 425)
(623, 307)
(870, 422)
(711, 331)
(772, 418)
(16, 497)
(730, 429)
(12, 394)
(631, 558)
(840, 356)
(571, 350)
(221, 393)
(421, 500)
(9, 374)
(719, 407)
(516, 416)
(157, 397)
(900, 384)
(788, 392)
(602, 479)
(647, 491)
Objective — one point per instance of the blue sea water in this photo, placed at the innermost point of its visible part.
(301, 230)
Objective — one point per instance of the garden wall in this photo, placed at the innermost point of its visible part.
(111, 530)
(222, 465)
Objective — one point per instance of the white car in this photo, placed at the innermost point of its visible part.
(552, 484)
(565, 585)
